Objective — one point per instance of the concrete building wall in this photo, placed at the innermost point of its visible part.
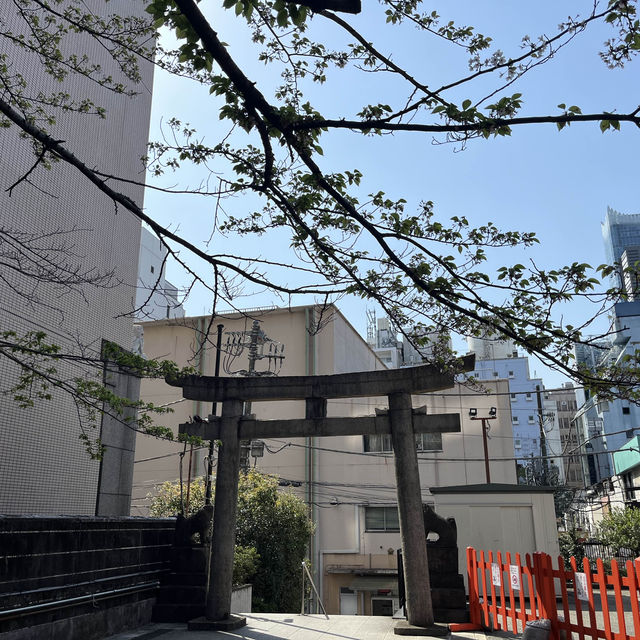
(45, 467)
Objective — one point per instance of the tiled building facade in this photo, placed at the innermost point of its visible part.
(78, 230)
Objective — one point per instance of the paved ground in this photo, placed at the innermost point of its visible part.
(280, 626)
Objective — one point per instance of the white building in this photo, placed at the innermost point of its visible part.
(77, 234)
(156, 297)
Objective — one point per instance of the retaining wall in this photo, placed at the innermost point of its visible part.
(79, 577)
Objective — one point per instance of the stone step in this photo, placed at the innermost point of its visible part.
(176, 612)
(449, 598)
(450, 615)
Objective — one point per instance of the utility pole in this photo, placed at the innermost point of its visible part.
(543, 439)
(473, 415)
(254, 341)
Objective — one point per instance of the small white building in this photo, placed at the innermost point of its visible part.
(156, 297)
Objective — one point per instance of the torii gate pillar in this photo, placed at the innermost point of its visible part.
(224, 511)
(414, 550)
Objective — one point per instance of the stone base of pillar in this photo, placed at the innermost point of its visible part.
(228, 624)
(403, 628)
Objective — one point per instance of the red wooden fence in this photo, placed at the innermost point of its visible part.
(592, 604)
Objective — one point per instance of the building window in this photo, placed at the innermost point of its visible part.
(495, 374)
(528, 396)
(381, 519)
(429, 442)
(517, 443)
(515, 420)
(531, 420)
(626, 410)
(152, 269)
(511, 374)
(513, 397)
(379, 442)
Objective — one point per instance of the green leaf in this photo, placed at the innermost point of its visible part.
(283, 18)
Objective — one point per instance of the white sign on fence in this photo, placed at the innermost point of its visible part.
(496, 574)
(581, 586)
(514, 576)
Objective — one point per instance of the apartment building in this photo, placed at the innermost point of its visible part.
(69, 268)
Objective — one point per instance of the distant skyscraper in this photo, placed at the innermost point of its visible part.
(619, 232)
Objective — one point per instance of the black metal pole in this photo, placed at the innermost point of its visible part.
(485, 444)
(214, 407)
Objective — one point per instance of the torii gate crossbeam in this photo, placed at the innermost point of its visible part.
(402, 421)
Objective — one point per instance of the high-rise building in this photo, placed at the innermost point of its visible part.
(604, 425)
(629, 263)
(69, 266)
(619, 232)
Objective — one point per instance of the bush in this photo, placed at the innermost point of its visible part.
(571, 545)
(620, 529)
(272, 534)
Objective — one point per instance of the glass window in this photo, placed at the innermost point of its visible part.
(515, 420)
(517, 443)
(429, 442)
(531, 419)
(378, 442)
(528, 396)
(626, 410)
(511, 374)
(513, 397)
(381, 519)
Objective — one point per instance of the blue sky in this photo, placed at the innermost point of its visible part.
(557, 184)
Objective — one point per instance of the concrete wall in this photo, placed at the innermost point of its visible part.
(241, 599)
(110, 566)
(45, 467)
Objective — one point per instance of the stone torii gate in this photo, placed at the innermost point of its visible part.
(401, 421)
